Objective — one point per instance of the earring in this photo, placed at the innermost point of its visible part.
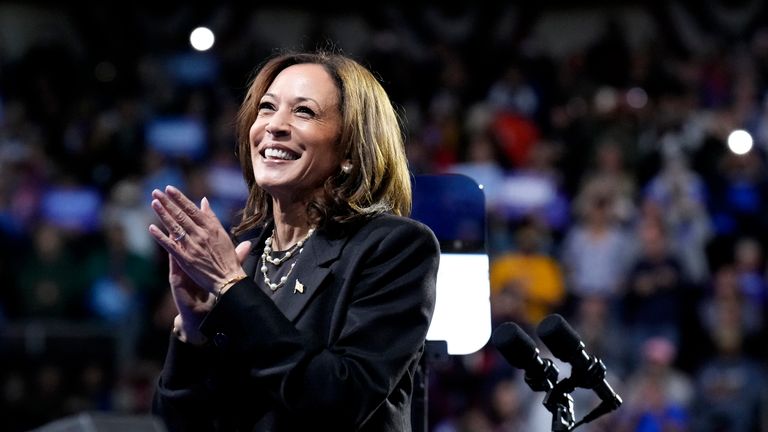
(346, 167)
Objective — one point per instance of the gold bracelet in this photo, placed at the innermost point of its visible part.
(232, 281)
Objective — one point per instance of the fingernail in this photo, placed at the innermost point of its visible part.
(156, 204)
(171, 190)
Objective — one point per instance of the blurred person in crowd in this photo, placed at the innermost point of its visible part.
(115, 135)
(730, 385)
(153, 340)
(514, 105)
(119, 284)
(458, 385)
(47, 288)
(461, 387)
(658, 395)
(49, 391)
(552, 208)
(18, 407)
(21, 186)
(473, 419)
(220, 181)
(501, 405)
(136, 385)
(605, 338)
(507, 404)
(318, 319)
(441, 132)
(528, 273)
(533, 191)
(513, 92)
(738, 194)
(726, 300)
(126, 208)
(484, 164)
(224, 182)
(92, 389)
(596, 249)
(678, 195)
(160, 169)
(749, 260)
(609, 168)
(655, 287)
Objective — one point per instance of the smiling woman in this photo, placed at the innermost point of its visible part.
(295, 134)
(317, 319)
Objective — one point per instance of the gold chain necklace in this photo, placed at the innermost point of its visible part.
(267, 257)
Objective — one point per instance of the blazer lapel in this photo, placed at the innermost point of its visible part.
(308, 275)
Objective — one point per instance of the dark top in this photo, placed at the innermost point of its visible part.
(338, 354)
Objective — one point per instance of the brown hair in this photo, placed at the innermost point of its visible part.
(371, 137)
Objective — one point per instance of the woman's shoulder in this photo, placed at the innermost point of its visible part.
(387, 225)
(389, 219)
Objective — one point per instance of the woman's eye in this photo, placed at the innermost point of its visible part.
(266, 106)
(305, 110)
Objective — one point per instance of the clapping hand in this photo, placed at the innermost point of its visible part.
(202, 258)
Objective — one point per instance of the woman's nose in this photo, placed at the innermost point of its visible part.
(277, 125)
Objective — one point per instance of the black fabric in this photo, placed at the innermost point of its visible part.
(339, 354)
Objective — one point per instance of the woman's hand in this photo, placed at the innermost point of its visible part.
(196, 241)
(193, 302)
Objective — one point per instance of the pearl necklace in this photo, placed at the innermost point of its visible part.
(267, 256)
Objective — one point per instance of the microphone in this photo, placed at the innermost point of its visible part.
(588, 371)
(520, 351)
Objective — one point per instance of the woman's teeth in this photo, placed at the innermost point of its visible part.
(273, 153)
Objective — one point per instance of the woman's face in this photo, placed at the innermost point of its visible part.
(294, 138)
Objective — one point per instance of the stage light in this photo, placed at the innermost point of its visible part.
(740, 141)
(202, 38)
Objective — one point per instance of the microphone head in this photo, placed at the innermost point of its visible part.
(561, 339)
(515, 345)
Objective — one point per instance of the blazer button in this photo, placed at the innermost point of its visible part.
(220, 340)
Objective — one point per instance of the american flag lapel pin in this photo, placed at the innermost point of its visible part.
(299, 288)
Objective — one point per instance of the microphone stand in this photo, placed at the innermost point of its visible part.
(435, 351)
(559, 402)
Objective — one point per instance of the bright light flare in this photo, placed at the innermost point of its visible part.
(201, 38)
(740, 141)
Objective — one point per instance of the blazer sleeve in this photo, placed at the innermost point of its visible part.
(390, 270)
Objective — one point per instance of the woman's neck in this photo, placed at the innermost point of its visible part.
(291, 225)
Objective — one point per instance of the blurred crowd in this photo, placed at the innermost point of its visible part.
(599, 134)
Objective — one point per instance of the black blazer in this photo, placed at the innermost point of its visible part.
(338, 354)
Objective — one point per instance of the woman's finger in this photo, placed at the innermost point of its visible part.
(178, 253)
(173, 218)
(185, 205)
(205, 207)
(175, 230)
(242, 250)
(164, 240)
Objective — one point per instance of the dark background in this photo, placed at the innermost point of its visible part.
(100, 103)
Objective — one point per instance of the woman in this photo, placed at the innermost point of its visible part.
(319, 319)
